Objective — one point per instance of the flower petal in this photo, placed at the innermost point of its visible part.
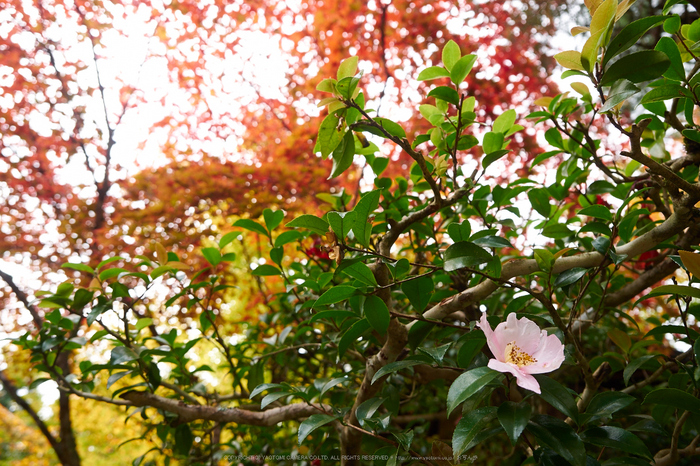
(524, 332)
(549, 355)
(523, 380)
(495, 345)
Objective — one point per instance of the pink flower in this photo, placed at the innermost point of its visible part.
(522, 349)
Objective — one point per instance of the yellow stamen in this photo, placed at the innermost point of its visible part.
(514, 355)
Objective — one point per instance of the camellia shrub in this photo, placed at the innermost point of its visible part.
(455, 314)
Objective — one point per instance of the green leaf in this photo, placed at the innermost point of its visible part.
(445, 93)
(266, 270)
(570, 276)
(471, 346)
(287, 237)
(539, 199)
(110, 273)
(675, 72)
(395, 367)
(433, 72)
(492, 157)
(637, 67)
(514, 417)
(212, 255)
(682, 290)
(492, 142)
(451, 54)
(465, 254)
(120, 355)
(347, 68)
(468, 384)
(634, 365)
(675, 398)
(333, 314)
(360, 272)
(470, 426)
(330, 133)
(391, 127)
(619, 92)
(377, 313)
(545, 259)
(557, 231)
(504, 121)
(460, 231)
(493, 242)
(629, 36)
(461, 69)
(418, 292)
(251, 225)
(309, 222)
(80, 267)
(272, 218)
(312, 423)
(353, 333)
(335, 295)
(570, 59)
(343, 155)
(557, 396)
(604, 404)
(597, 211)
(341, 222)
(265, 386)
(183, 440)
(557, 435)
(367, 409)
(366, 205)
(665, 92)
(271, 398)
(615, 437)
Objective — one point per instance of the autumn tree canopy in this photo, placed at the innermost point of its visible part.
(352, 231)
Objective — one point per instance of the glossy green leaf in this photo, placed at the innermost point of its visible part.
(597, 211)
(471, 424)
(343, 155)
(418, 292)
(330, 133)
(557, 435)
(570, 59)
(615, 437)
(539, 199)
(465, 254)
(433, 72)
(309, 222)
(365, 206)
(445, 93)
(341, 222)
(451, 54)
(675, 72)
(675, 398)
(461, 69)
(634, 365)
(391, 127)
(558, 396)
(266, 270)
(513, 418)
(604, 404)
(492, 142)
(570, 276)
(122, 354)
(377, 313)
(395, 367)
(619, 92)
(312, 423)
(629, 36)
(183, 440)
(251, 225)
(467, 384)
(287, 237)
(335, 295)
(80, 267)
(353, 333)
(637, 67)
(360, 272)
(665, 92)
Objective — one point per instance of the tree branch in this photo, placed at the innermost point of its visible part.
(188, 413)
